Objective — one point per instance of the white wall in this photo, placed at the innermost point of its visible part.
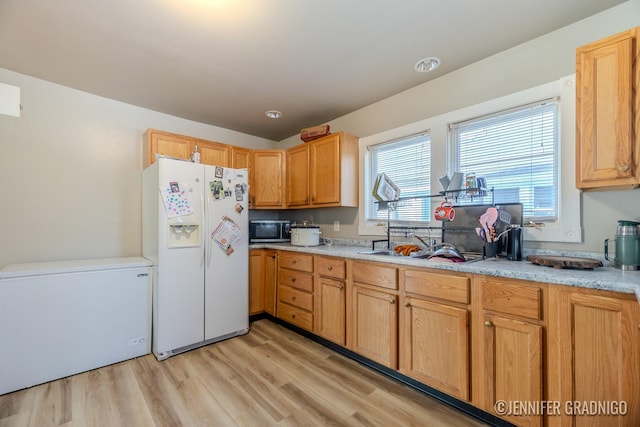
(70, 169)
(539, 61)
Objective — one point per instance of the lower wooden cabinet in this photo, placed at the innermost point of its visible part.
(375, 325)
(599, 337)
(295, 289)
(512, 366)
(270, 281)
(509, 356)
(481, 339)
(434, 345)
(256, 281)
(330, 299)
(373, 313)
(262, 281)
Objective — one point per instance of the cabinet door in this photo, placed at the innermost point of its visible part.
(213, 154)
(434, 346)
(166, 144)
(375, 325)
(240, 158)
(607, 151)
(270, 281)
(268, 178)
(325, 170)
(256, 281)
(298, 176)
(600, 360)
(330, 309)
(513, 365)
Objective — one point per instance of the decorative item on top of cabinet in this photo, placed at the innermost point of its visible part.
(595, 346)
(509, 353)
(268, 173)
(330, 299)
(434, 330)
(295, 289)
(330, 178)
(372, 314)
(608, 113)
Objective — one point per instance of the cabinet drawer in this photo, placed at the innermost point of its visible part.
(509, 298)
(443, 286)
(298, 262)
(377, 275)
(331, 267)
(295, 315)
(295, 279)
(295, 297)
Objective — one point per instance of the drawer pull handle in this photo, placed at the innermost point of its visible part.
(329, 268)
(488, 323)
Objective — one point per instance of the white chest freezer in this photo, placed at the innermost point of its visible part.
(62, 318)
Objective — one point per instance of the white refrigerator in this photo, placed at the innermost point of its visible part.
(195, 230)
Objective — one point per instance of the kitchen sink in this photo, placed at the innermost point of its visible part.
(469, 257)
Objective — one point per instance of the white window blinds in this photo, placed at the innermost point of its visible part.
(516, 151)
(407, 162)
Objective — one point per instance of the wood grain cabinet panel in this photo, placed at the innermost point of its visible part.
(375, 325)
(298, 176)
(256, 281)
(600, 354)
(295, 290)
(513, 365)
(330, 298)
(434, 346)
(267, 178)
(608, 112)
(323, 172)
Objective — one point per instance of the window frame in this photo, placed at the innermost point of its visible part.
(568, 227)
(454, 147)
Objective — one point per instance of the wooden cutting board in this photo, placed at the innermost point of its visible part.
(565, 261)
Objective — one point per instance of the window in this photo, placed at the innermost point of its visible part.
(407, 162)
(516, 151)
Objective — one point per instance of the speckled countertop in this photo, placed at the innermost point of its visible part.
(605, 278)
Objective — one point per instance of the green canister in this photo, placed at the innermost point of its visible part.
(627, 246)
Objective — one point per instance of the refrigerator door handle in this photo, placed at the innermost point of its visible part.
(203, 229)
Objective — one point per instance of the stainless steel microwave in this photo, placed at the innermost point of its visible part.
(269, 230)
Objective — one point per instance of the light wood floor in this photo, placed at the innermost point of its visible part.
(271, 376)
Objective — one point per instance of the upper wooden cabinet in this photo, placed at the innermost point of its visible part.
(608, 112)
(329, 177)
(267, 179)
(181, 147)
(298, 176)
(164, 143)
(240, 158)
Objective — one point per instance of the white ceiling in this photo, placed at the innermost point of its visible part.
(225, 62)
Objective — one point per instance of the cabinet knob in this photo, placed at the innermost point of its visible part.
(341, 287)
(623, 168)
(329, 268)
(392, 301)
(293, 298)
(293, 279)
(488, 323)
(407, 304)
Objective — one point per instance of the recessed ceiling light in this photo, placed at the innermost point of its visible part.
(273, 114)
(427, 64)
